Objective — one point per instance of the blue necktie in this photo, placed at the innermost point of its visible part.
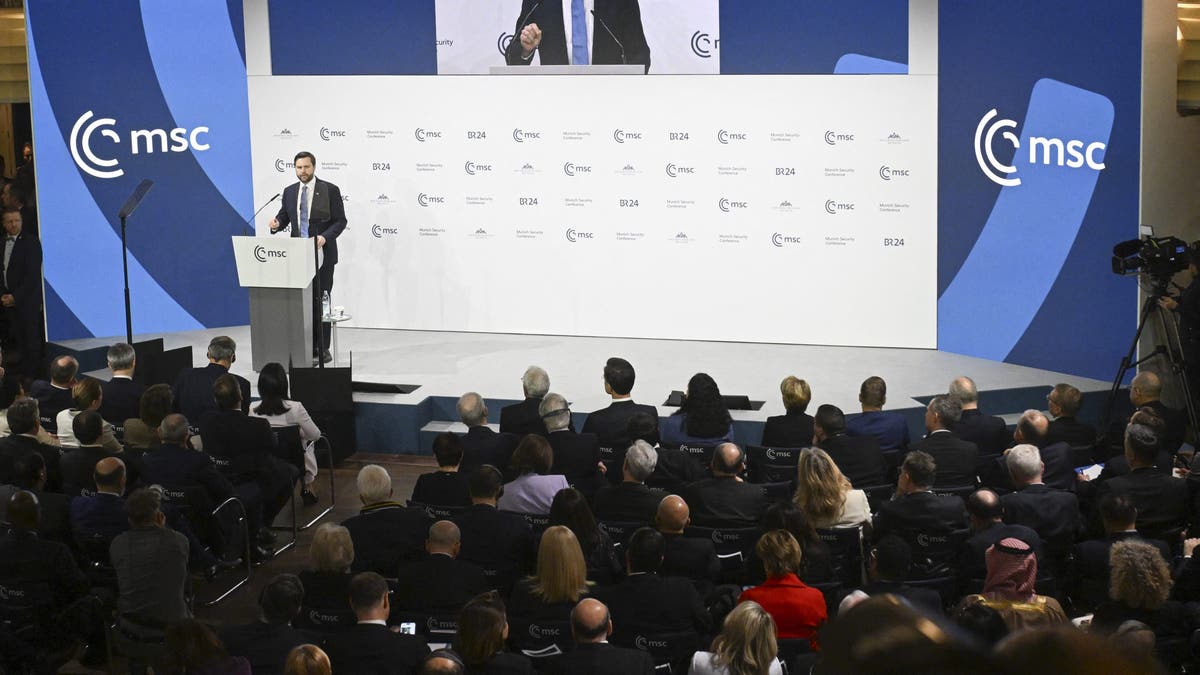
(579, 38)
(304, 211)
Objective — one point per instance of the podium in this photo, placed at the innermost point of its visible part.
(278, 271)
(594, 69)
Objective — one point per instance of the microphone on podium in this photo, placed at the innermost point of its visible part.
(246, 225)
(611, 35)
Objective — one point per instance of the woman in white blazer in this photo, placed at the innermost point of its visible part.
(281, 412)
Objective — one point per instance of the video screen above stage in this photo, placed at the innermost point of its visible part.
(754, 208)
(672, 37)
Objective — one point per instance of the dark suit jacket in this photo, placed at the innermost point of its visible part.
(387, 535)
(522, 418)
(326, 214)
(101, 514)
(443, 488)
(1176, 424)
(122, 400)
(627, 503)
(724, 502)
(247, 442)
(371, 649)
(1162, 500)
(25, 557)
(1052, 513)
(55, 523)
(925, 598)
(793, 430)
(611, 425)
(675, 469)
(503, 663)
(602, 659)
(151, 564)
(1091, 572)
(264, 645)
(1071, 431)
(1058, 473)
(955, 458)
(499, 542)
(690, 557)
(859, 458)
(481, 446)
(16, 446)
(973, 564)
(577, 457)
(79, 468)
(889, 428)
(51, 399)
(193, 392)
(920, 513)
(987, 432)
(653, 603)
(174, 466)
(622, 17)
(438, 584)
(24, 281)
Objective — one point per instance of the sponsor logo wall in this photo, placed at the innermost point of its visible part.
(470, 214)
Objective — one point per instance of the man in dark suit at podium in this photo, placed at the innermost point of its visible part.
(313, 208)
(562, 32)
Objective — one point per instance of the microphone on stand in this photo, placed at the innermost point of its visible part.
(611, 35)
(246, 225)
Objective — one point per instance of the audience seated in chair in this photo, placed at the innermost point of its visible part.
(746, 644)
(78, 462)
(370, 646)
(267, 641)
(327, 584)
(525, 417)
(916, 512)
(276, 408)
(193, 390)
(825, 495)
(498, 541)
(448, 485)
(142, 431)
(647, 602)
(102, 514)
(816, 558)
(957, 460)
(986, 514)
(1161, 500)
(25, 425)
(386, 535)
(890, 429)
(1009, 587)
(536, 483)
(307, 659)
(1064, 402)
(86, 395)
(858, 457)
(631, 501)
(439, 584)
(1140, 589)
(988, 432)
(151, 563)
(54, 396)
(702, 418)
(194, 649)
(888, 565)
(725, 500)
(611, 424)
(794, 429)
(1052, 513)
(591, 626)
(558, 583)
(29, 474)
(480, 444)
(798, 610)
(1092, 572)
(122, 395)
(674, 468)
(576, 456)
(482, 636)
(570, 508)
(693, 558)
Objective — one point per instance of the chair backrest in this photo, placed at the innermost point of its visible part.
(437, 512)
(701, 454)
(619, 532)
(790, 648)
(435, 627)
(733, 544)
(771, 465)
(935, 555)
(539, 639)
(289, 446)
(846, 553)
(780, 491)
(962, 491)
(673, 649)
(878, 494)
(324, 618)
(537, 521)
(25, 606)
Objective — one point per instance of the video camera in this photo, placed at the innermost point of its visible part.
(1158, 257)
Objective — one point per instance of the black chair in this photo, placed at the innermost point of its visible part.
(435, 628)
(539, 640)
(226, 522)
(962, 491)
(672, 652)
(324, 619)
(777, 492)
(700, 454)
(733, 545)
(95, 561)
(619, 532)
(538, 522)
(878, 494)
(289, 446)
(846, 553)
(26, 608)
(790, 648)
(141, 648)
(435, 511)
(771, 465)
(935, 562)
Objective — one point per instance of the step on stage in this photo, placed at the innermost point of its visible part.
(444, 365)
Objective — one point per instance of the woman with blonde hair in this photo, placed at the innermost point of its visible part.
(327, 585)
(307, 660)
(745, 646)
(559, 583)
(795, 428)
(825, 495)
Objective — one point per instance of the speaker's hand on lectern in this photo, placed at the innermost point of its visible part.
(531, 37)
(320, 241)
(274, 225)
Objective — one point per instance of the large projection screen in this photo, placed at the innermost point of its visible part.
(791, 209)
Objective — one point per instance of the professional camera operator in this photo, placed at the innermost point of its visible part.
(1187, 306)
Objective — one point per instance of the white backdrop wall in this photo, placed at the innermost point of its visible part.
(683, 35)
(767, 209)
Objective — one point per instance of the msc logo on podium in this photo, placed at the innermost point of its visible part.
(262, 254)
(141, 141)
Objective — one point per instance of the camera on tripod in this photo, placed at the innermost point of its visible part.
(1156, 257)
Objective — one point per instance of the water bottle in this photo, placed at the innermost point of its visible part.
(325, 304)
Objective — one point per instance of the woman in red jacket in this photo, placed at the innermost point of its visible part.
(798, 609)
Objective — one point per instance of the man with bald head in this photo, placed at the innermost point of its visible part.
(988, 432)
(54, 396)
(1033, 428)
(691, 557)
(724, 499)
(102, 513)
(1145, 391)
(986, 515)
(439, 584)
(591, 627)
(480, 444)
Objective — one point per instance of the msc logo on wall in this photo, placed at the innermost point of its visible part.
(779, 240)
(282, 165)
(426, 134)
(621, 135)
(728, 205)
(472, 168)
(328, 134)
(703, 45)
(141, 141)
(888, 172)
(502, 43)
(427, 199)
(574, 235)
(379, 231)
(521, 136)
(724, 136)
(674, 170)
(834, 137)
(834, 207)
(1073, 153)
(573, 169)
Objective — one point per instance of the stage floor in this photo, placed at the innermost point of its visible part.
(446, 364)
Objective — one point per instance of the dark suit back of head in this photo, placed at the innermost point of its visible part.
(645, 550)
(87, 427)
(280, 600)
(109, 474)
(619, 375)
(63, 370)
(486, 482)
(830, 419)
(23, 512)
(173, 429)
(1142, 442)
(447, 449)
(143, 507)
(367, 591)
(893, 558)
(590, 620)
(1118, 511)
(948, 410)
(921, 468)
(643, 427)
(728, 459)
(227, 392)
(1033, 426)
(29, 470)
(22, 416)
(984, 505)
(222, 349)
